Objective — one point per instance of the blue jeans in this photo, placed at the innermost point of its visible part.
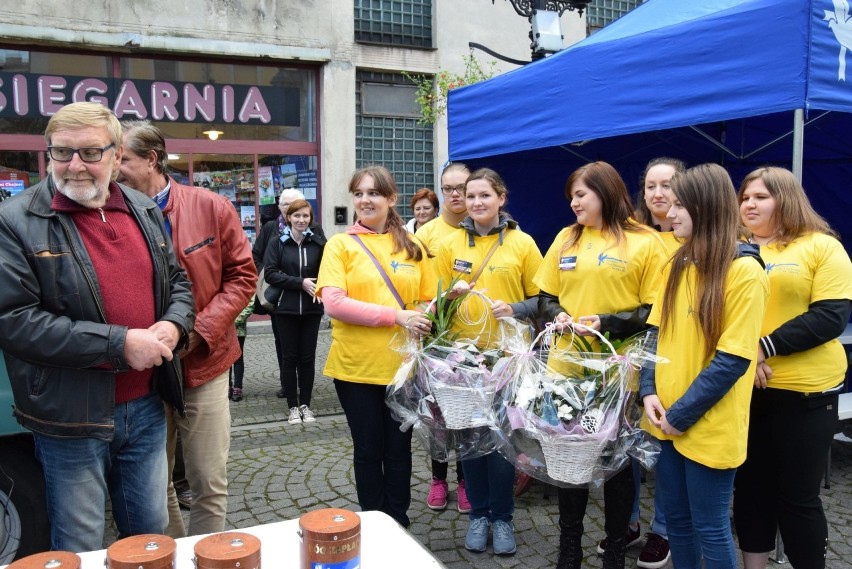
(658, 524)
(697, 502)
(382, 453)
(78, 473)
(489, 482)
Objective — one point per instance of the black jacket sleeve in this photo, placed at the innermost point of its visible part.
(823, 321)
(548, 306)
(622, 325)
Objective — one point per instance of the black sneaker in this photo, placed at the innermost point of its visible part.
(656, 552)
(634, 537)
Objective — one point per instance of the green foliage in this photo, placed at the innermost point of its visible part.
(442, 316)
(432, 91)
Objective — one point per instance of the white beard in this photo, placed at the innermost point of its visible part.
(92, 195)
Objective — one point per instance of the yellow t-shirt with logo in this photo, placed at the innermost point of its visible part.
(811, 268)
(719, 438)
(363, 354)
(596, 276)
(507, 277)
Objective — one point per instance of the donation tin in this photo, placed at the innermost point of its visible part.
(229, 550)
(146, 551)
(330, 539)
(48, 560)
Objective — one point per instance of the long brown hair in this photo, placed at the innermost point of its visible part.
(707, 193)
(386, 186)
(642, 213)
(794, 215)
(603, 179)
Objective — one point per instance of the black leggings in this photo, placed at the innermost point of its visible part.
(298, 335)
(618, 505)
(439, 470)
(778, 485)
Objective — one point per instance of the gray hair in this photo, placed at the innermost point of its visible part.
(288, 195)
(142, 137)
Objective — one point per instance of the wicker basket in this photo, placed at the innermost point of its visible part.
(571, 461)
(462, 407)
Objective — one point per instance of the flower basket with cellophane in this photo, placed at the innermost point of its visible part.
(445, 390)
(579, 425)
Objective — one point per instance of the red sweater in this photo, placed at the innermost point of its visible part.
(124, 270)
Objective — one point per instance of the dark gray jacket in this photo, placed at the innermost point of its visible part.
(61, 355)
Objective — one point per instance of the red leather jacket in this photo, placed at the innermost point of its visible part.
(211, 246)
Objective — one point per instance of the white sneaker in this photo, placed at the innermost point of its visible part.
(307, 415)
(295, 416)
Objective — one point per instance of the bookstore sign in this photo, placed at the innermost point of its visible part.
(24, 95)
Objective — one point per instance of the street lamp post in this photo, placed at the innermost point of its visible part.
(543, 15)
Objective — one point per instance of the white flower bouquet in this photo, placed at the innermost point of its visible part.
(574, 427)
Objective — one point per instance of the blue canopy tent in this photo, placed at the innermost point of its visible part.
(712, 81)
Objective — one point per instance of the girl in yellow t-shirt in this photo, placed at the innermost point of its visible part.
(652, 206)
(801, 368)
(368, 307)
(708, 319)
(603, 272)
(507, 279)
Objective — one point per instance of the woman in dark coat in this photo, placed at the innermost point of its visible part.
(292, 264)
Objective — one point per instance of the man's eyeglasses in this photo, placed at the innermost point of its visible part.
(87, 154)
(447, 190)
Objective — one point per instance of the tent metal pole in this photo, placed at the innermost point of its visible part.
(798, 142)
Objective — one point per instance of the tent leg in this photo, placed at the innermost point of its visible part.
(798, 142)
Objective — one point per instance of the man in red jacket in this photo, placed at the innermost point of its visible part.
(213, 249)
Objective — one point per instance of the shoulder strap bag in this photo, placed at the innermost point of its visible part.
(382, 272)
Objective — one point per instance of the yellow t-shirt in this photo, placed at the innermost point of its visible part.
(670, 243)
(508, 277)
(811, 268)
(434, 232)
(719, 438)
(363, 354)
(596, 276)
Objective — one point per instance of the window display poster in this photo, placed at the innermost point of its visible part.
(288, 176)
(247, 216)
(265, 185)
(307, 183)
(12, 186)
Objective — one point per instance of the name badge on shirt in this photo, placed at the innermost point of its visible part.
(462, 266)
(567, 263)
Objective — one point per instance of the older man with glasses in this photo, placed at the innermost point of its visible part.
(94, 305)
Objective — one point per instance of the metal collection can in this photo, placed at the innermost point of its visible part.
(48, 560)
(330, 539)
(229, 550)
(147, 551)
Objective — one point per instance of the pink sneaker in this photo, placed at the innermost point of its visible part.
(461, 495)
(437, 499)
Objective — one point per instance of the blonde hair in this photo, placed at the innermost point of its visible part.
(794, 215)
(83, 115)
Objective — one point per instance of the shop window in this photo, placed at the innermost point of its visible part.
(405, 23)
(397, 142)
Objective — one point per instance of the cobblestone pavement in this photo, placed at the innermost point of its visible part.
(279, 471)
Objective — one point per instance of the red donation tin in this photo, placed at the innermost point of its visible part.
(146, 551)
(229, 550)
(48, 560)
(330, 539)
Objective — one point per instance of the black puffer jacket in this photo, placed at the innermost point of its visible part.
(287, 264)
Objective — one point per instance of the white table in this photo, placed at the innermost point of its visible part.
(384, 544)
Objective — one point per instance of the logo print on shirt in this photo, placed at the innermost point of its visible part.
(612, 262)
(789, 268)
(395, 265)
